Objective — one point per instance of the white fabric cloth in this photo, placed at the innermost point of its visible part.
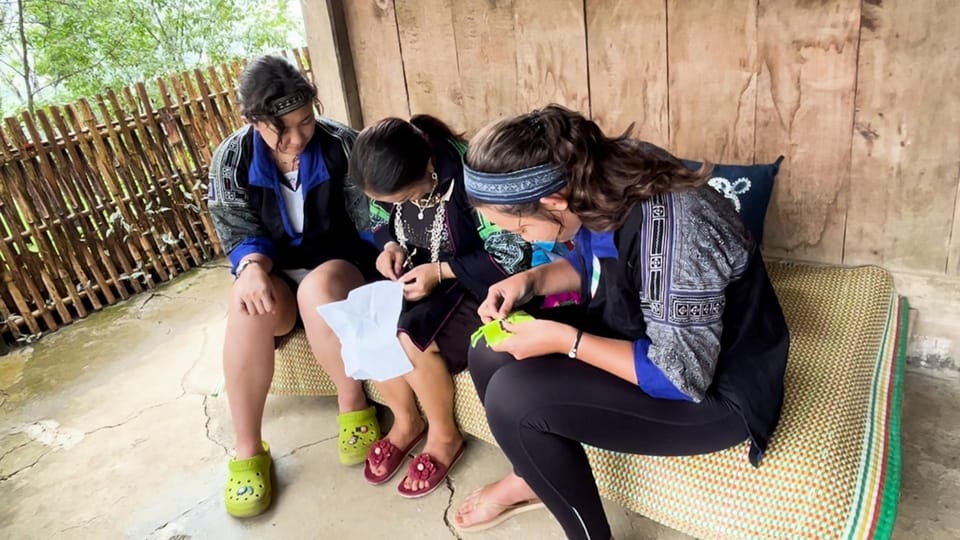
(366, 324)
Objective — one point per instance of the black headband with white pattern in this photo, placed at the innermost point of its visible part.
(515, 187)
(288, 104)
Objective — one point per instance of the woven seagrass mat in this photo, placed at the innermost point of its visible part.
(843, 325)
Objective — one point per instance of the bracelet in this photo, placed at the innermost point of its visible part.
(439, 272)
(244, 264)
(576, 345)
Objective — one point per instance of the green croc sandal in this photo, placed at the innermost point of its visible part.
(358, 431)
(248, 489)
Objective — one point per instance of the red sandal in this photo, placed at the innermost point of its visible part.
(425, 467)
(384, 452)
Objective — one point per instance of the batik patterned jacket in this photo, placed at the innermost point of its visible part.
(684, 281)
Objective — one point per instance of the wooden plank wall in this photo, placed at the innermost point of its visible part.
(861, 96)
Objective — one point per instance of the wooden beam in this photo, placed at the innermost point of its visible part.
(375, 47)
(331, 61)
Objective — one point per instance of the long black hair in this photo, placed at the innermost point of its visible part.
(393, 154)
(267, 79)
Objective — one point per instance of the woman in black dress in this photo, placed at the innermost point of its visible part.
(447, 256)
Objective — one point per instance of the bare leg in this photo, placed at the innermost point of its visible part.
(248, 363)
(407, 423)
(433, 386)
(330, 282)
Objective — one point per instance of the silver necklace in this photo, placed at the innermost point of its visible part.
(431, 200)
(436, 228)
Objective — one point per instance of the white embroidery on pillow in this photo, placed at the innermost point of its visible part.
(731, 190)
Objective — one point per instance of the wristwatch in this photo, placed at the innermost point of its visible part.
(576, 345)
(244, 264)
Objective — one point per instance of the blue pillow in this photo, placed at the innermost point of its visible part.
(748, 187)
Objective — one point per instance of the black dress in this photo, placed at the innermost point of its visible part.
(479, 254)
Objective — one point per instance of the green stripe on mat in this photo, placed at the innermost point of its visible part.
(863, 481)
(891, 489)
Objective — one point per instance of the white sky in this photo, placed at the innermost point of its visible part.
(298, 37)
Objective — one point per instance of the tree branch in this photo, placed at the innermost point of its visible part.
(11, 66)
(26, 57)
(13, 86)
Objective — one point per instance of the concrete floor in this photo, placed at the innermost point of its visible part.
(117, 427)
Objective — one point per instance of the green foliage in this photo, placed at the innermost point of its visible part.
(78, 48)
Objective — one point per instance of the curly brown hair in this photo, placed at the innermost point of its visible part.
(606, 176)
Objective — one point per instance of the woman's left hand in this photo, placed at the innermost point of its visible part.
(419, 282)
(537, 338)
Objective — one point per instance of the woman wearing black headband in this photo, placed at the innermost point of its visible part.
(447, 257)
(681, 345)
(277, 197)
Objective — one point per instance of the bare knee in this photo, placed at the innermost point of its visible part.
(329, 282)
(417, 356)
(408, 345)
(278, 322)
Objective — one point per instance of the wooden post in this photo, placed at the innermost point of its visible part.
(331, 61)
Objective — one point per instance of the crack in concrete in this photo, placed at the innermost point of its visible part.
(446, 511)
(206, 427)
(14, 449)
(305, 446)
(183, 391)
(149, 298)
(180, 516)
(21, 469)
(196, 361)
(135, 416)
(140, 308)
(79, 525)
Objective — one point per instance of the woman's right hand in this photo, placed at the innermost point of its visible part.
(390, 262)
(504, 295)
(255, 291)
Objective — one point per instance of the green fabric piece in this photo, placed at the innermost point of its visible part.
(494, 332)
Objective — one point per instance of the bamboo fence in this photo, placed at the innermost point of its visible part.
(105, 198)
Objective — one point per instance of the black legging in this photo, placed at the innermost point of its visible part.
(540, 411)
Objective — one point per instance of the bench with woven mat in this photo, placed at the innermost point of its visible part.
(833, 468)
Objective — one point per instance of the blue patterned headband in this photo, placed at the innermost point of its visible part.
(516, 187)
